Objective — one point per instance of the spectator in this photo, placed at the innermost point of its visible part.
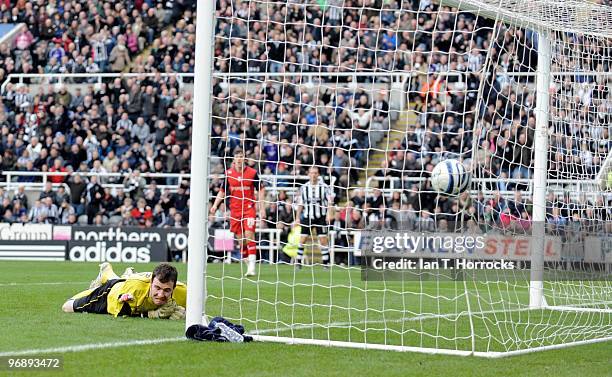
(141, 212)
(47, 192)
(61, 195)
(134, 184)
(110, 203)
(8, 216)
(140, 131)
(119, 57)
(57, 168)
(18, 211)
(78, 192)
(175, 221)
(95, 194)
(21, 196)
(98, 169)
(49, 212)
(181, 197)
(65, 212)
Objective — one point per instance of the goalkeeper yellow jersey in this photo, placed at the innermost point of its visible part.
(180, 291)
(138, 287)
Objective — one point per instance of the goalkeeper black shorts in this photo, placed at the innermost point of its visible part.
(95, 302)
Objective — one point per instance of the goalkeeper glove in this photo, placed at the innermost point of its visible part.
(178, 314)
(170, 310)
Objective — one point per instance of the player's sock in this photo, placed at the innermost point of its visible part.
(243, 250)
(252, 257)
(251, 265)
(251, 248)
(300, 256)
(325, 254)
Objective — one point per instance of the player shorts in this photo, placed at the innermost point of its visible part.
(320, 226)
(242, 223)
(95, 301)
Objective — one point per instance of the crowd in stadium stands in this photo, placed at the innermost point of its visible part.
(135, 126)
(127, 125)
(172, 51)
(76, 37)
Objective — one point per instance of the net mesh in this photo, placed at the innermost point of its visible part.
(375, 94)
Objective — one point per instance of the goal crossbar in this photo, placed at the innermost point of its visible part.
(582, 17)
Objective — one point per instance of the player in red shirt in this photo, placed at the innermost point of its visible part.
(242, 181)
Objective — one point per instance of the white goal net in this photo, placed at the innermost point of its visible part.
(375, 94)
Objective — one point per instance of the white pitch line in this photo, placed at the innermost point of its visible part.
(13, 284)
(91, 346)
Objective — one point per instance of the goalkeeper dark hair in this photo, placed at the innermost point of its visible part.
(165, 273)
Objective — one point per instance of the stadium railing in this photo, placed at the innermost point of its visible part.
(11, 175)
(272, 246)
(309, 77)
(274, 183)
(352, 250)
(558, 186)
(272, 180)
(61, 78)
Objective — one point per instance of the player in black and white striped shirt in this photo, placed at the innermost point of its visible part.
(315, 211)
(22, 96)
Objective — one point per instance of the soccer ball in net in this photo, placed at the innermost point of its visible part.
(450, 177)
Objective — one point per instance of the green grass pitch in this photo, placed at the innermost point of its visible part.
(33, 292)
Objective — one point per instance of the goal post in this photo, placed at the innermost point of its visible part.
(375, 96)
(540, 172)
(200, 164)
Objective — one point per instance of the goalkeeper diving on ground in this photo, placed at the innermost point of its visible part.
(156, 294)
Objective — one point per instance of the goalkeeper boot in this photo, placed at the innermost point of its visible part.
(128, 272)
(106, 273)
(298, 263)
(251, 265)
